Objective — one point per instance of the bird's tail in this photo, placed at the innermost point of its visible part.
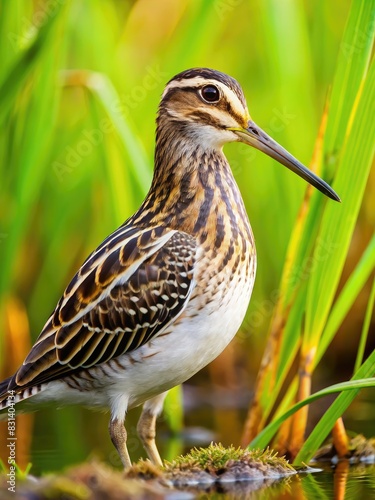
(10, 395)
(4, 393)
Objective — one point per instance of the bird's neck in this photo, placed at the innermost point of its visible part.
(193, 190)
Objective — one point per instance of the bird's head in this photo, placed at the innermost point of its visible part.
(209, 109)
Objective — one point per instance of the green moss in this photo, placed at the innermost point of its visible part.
(216, 457)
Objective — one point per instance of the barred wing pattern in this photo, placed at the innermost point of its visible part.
(128, 290)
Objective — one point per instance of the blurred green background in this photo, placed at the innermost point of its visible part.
(81, 82)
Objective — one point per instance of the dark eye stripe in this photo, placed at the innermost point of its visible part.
(222, 104)
(207, 118)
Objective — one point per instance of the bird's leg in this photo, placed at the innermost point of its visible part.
(146, 427)
(118, 435)
(146, 431)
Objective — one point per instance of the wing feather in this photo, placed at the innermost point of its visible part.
(127, 292)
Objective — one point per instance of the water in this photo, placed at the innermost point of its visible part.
(62, 438)
(337, 484)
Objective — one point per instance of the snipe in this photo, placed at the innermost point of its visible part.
(165, 293)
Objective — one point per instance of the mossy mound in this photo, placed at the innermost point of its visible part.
(217, 464)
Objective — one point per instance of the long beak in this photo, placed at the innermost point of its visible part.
(256, 137)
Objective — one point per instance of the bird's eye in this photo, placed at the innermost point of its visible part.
(210, 93)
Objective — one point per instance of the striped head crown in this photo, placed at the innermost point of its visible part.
(206, 108)
(206, 104)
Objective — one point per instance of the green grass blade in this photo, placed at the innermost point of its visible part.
(348, 295)
(365, 329)
(355, 53)
(30, 151)
(345, 88)
(338, 220)
(121, 196)
(264, 437)
(10, 38)
(105, 92)
(343, 304)
(15, 78)
(341, 403)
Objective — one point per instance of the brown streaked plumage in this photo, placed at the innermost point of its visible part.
(166, 292)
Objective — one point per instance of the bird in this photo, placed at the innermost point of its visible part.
(165, 293)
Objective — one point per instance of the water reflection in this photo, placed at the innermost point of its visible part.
(344, 481)
(62, 438)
